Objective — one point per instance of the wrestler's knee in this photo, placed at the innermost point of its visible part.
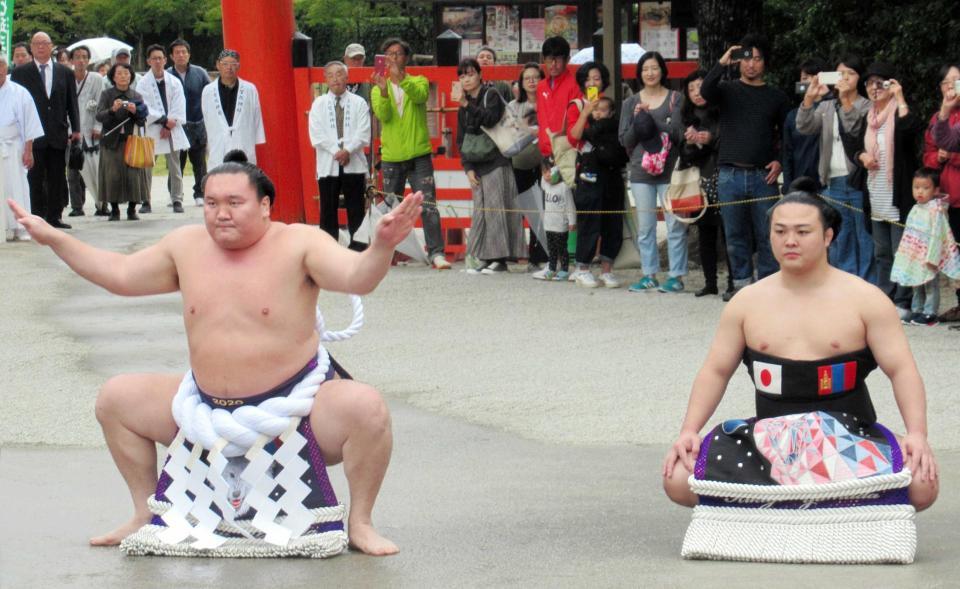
(355, 404)
(677, 487)
(110, 397)
(923, 494)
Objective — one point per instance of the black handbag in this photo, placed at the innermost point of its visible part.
(75, 161)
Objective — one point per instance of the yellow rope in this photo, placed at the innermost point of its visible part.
(373, 192)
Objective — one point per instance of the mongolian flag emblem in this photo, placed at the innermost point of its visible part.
(836, 378)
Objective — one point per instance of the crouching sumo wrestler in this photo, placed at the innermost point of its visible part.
(813, 477)
(263, 410)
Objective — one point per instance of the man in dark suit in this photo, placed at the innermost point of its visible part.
(54, 92)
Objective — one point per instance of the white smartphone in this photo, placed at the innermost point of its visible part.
(829, 78)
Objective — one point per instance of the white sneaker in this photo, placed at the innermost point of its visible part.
(440, 262)
(198, 201)
(495, 268)
(586, 279)
(572, 277)
(544, 274)
(21, 235)
(609, 280)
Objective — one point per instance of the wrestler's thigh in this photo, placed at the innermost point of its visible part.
(343, 408)
(140, 403)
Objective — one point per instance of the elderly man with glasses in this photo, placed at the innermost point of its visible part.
(231, 112)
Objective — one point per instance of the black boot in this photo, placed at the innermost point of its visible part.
(708, 289)
(132, 212)
(114, 212)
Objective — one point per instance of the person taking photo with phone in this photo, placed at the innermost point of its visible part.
(399, 102)
(751, 118)
(835, 114)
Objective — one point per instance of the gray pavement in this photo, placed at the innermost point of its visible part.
(530, 420)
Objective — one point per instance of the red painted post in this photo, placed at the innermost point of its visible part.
(262, 31)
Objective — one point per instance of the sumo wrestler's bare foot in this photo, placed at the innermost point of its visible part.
(367, 540)
(113, 538)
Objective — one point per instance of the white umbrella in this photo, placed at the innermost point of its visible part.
(101, 47)
(629, 53)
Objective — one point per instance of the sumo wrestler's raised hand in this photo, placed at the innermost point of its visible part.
(39, 230)
(397, 224)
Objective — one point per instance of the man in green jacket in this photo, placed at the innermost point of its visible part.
(400, 103)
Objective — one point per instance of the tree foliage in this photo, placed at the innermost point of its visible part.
(333, 24)
(917, 37)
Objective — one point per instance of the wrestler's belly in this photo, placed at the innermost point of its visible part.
(233, 365)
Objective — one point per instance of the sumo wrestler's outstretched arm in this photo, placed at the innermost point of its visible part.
(890, 347)
(148, 271)
(339, 269)
(709, 385)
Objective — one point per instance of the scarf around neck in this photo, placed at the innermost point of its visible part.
(875, 120)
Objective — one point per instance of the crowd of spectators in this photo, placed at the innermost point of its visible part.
(853, 138)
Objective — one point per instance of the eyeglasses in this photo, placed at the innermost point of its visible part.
(232, 65)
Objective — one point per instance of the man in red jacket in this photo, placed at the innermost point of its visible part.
(554, 92)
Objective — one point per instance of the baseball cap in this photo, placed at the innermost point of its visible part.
(121, 51)
(354, 49)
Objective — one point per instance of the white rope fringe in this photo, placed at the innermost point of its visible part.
(810, 492)
(866, 534)
(201, 424)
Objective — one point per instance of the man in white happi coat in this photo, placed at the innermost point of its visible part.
(339, 131)
(231, 112)
(167, 112)
(19, 126)
(89, 87)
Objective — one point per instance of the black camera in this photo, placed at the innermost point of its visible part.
(743, 53)
(801, 88)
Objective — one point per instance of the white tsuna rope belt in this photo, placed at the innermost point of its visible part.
(811, 492)
(203, 425)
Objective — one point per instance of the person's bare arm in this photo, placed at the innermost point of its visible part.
(889, 345)
(710, 384)
(336, 268)
(148, 271)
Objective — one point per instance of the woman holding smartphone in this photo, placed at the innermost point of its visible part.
(496, 236)
(841, 114)
(592, 129)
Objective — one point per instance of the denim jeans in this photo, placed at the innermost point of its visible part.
(419, 171)
(647, 197)
(926, 297)
(886, 240)
(852, 249)
(746, 226)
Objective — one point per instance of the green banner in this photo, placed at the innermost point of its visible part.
(6, 26)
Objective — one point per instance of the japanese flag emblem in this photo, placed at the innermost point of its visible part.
(767, 377)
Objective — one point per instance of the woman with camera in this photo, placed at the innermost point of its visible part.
(496, 235)
(947, 161)
(120, 111)
(890, 157)
(841, 114)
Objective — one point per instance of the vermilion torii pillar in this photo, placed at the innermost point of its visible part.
(262, 31)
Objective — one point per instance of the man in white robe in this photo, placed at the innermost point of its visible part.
(19, 126)
(339, 131)
(89, 87)
(167, 112)
(231, 112)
